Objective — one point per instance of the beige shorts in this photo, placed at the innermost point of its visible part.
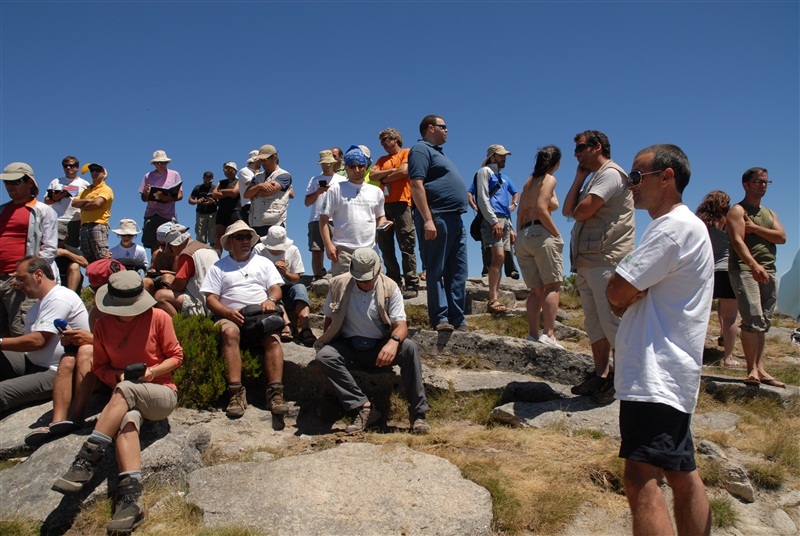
(343, 264)
(151, 401)
(600, 321)
(539, 254)
(756, 301)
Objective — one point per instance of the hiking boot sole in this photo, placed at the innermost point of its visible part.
(126, 530)
(67, 487)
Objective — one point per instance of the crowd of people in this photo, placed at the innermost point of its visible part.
(645, 306)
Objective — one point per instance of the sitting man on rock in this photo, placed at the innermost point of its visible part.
(29, 363)
(194, 260)
(365, 327)
(234, 286)
(279, 248)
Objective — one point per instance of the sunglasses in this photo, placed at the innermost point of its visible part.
(582, 147)
(65, 166)
(241, 237)
(15, 182)
(95, 170)
(635, 176)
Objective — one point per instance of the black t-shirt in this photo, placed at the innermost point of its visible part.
(203, 191)
(228, 204)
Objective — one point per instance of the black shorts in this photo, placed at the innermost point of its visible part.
(228, 218)
(150, 228)
(656, 434)
(722, 286)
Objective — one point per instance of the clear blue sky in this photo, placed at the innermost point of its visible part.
(111, 82)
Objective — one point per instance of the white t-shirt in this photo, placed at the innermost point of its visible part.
(241, 283)
(354, 209)
(244, 176)
(64, 207)
(313, 184)
(660, 340)
(294, 262)
(135, 252)
(362, 318)
(60, 302)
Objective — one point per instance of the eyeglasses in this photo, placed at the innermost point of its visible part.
(582, 147)
(761, 182)
(385, 139)
(65, 166)
(15, 182)
(635, 176)
(242, 237)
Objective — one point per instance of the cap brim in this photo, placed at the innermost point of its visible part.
(12, 176)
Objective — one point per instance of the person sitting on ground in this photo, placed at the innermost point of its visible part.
(29, 362)
(162, 263)
(133, 256)
(75, 382)
(194, 260)
(539, 245)
(69, 261)
(233, 283)
(135, 352)
(365, 326)
(279, 248)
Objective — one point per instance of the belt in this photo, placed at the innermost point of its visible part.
(532, 222)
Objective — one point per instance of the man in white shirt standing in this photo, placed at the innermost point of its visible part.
(662, 291)
(315, 198)
(61, 192)
(244, 176)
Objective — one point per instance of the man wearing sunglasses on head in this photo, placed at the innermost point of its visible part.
(60, 194)
(95, 203)
(29, 228)
(604, 232)
(663, 291)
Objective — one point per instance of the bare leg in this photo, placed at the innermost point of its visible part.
(74, 277)
(273, 359)
(495, 270)
(552, 295)
(303, 313)
(231, 354)
(649, 510)
(692, 511)
(753, 345)
(129, 453)
(62, 387)
(112, 415)
(84, 383)
(168, 302)
(600, 353)
(317, 262)
(533, 306)
(727, 311)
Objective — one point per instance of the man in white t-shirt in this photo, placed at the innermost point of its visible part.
(317, 187)
(662, 291)
(280, 249)
(365, 327)
(356, 209)
(61, 192)
(244, 176)
(234, 282)
(29, 363)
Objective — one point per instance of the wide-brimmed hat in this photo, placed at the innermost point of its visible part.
(160, 156)
(276, 239)
(253, 156)
(99, 271)
(234, 228)
(124, 295)
(266, 151)
(365, 264)
(494, 149)
(17, 170)
(63, 232)
(127, 227)
(176, 234)
(326, 157)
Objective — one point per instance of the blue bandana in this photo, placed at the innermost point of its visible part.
(355, 156)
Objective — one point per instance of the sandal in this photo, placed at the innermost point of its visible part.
(62, 428)
(286, 334)
(773, 382)
(752, 381)
(307, 337)
(496, 307)
(38, 437)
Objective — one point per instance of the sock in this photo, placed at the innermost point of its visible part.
(100, 439)
(135, 475)
(234, 386)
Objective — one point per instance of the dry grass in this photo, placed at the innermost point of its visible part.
(510, 325)
(767, 475)
(19, 527)
(723, 513)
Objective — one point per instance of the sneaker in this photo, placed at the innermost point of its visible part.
(82, 470)
(589, 386)
(531, 338)
(544, 339)
(445, 326)
(275, 402)
(129, 508)
(420, 426)
(237, 403)
(367, 416)
(410, 292)
(606, 393)
(515, 275)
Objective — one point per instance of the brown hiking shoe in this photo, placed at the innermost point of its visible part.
(592, 384)
(605, 395)
(367, 416)
(129, 507)
(420, 426)
(237, 403)
(275, 402)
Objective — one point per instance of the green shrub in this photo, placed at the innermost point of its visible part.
(723, 514)
(88, 297)
(202, 378)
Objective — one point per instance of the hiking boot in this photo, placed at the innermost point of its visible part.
(444, 326)
(514, 275)
(463, 329)
(420, 426)
(589, 386)
(129, 508)
(410, 292)
(367, 416)
(605, 395)
(82, 470)
(275, 402)
(237, 403)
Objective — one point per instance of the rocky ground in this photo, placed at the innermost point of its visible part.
(305, 476)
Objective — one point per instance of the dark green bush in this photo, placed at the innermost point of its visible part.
(202, 378)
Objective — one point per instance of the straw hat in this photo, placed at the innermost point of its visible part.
(234, 228)
(124, 295)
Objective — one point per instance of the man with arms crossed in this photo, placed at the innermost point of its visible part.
(754, 231)
(662, 291)
(603, 234)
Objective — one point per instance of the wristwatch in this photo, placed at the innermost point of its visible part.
(1, 342)
(395, 338)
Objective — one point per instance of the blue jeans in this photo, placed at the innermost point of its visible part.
(446, 265)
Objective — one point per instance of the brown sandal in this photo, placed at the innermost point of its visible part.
(496, 307)
(286, 334)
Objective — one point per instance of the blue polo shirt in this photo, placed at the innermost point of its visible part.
(444, 187)
(501, 200)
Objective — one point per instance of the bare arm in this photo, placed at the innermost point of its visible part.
(325, 231)
(571, 201)
(389, 350)
(89, 204)
(621, 294)
(29, 342)
(79, 259)
(776, 235)
(542, 203)
(312, 197)
(421, 204)
(736, 223)
(261, 190)
(214, 305)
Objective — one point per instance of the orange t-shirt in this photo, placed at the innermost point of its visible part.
(399, 190)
